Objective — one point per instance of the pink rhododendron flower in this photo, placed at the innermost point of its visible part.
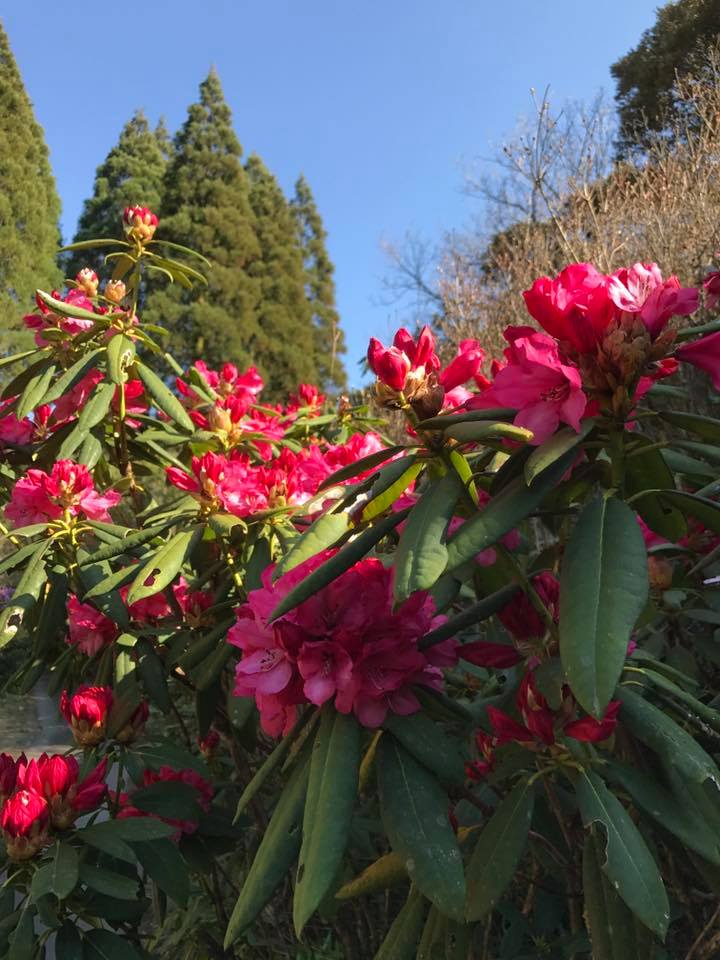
(308, 395)
(89, 630)
(464, 366)
(40, 497)
(149, 610)
(12, 430)
(193, 603)
(139, 223)
(641, 289)
(545, 390)
(346, 643)
(703, 354)
(711, 285)
(574, 307)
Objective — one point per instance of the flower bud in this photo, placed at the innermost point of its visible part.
(87, 711)
(8, 773)
(87, 281)
(390, 365)
(209, 743)
(139, 223)
(115, 290)
(24, 822)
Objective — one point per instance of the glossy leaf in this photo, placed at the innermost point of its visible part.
(498, 851)
(73, 375)
(166, 401)
(320, 535)
(391, 483)
(603, 590)
(360, 466)
(628, 864)
(25, 595)
(430, 744)
(331, 796)
(35, 391)
(648, 470)
(164, 864)
(162, 567)
(555, 447)
(415, 814)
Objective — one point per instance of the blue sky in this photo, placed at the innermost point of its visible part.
(380, 103)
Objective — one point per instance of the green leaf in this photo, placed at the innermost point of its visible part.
(430, 744)
(706, 427)
(65, 309)
(328, 571)
(73, 375)
(34, 392)
(701, 508)
(64, 866)
(90, 451)
(120, 355)
(110, 883)
(421, 556)
(498, 851)
(389, 486)
(331, 795)
(603, 590)
(477, 613)
(96, 408)
(628, 864)
(26, 594)
(469, 432)
(659, 732)
(164, 399)
(105, 945)
(321, 534)
(508, 508)
(663, 806)
(19, 556)
(22, 378)
(277, 851)
(163, 863)
(163, 566)
(402, 937)
(68, 945)
(647, 470)
(466, 416)
(360, 466)
(555, 447)
(135, 538)
(614, 931)
(113, 836)
(23, 942)
(168, 799)
(415, 814)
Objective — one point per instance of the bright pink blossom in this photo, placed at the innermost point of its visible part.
(641, 289)
(40, 497)
(703, 354)
(89, 630)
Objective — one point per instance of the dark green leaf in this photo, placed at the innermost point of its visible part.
(603, 590)
(105, 945)
(360, 466)
(22, 944)
(163, 863)
(26, 594)
(429, 743)
(96, 408)
(415, 814)
(705, 427)
(134, 538)
(628, 864)
(323, 533)
(402, 938)
(68, 945)
(163, 566)
(64, 867)
(164, 399)
(649, 471)
(110, 883)
(477, 613)
(331, 795)
(498, 851)
(168, 799)
(554, 447)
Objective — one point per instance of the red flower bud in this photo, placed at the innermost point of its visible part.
(8, 773)
(87, 711)
(24, 822)
(139, 223)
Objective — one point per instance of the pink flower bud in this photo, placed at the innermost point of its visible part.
(87, 711)
(87, 281)
(389, 364)
(24, 822)
(139, 223)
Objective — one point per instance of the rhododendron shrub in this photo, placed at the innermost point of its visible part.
(363, 694)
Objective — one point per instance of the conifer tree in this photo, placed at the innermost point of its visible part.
(284, 346)
(132, 173)
(328, 337)
(29, 206)
(206, 206)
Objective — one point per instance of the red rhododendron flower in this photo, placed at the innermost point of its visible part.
(345, 644)
(169, 775)
(9, 768)
(574, 307)
(89, 630)
(87, 711)
(40, 497)
(56, 779)
(494, 655)
(703, 354)
(519, 616)
(24, 822)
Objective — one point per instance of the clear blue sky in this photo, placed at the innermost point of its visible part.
(378, 102)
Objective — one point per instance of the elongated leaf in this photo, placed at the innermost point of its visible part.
(361, 466)
(386, 872)
(648, 470)
(66, 309)
(603, 590)
(508, 508)
(26, 594)
(666, 738)
(663, 807)
(392, 482)
(168, 799)
(276, 853)
(498, 851)
(19, 556)
(328, 571)
(106, 945)
(323, 533)
(628, 864)
(163, 566)
(554, 447)
(65, 866)
(466, 416)
(467, 432)
(108, 882)
(112, 836)
(415, 814)
(73, 375)
(331, 795)
(477, 613)
(120, 355)
(22, 945)
(615, 933)
(164, 399)
(95, 410)
(90, 451)
(701, 508)
(23, 377)
(34, 393)
(163, 863)
(135, 538)
(68, 945)
(402, 937)
(421, 556)
(706, 427)
(430, 744)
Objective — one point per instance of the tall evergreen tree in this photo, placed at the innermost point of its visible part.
(132, 173)
(29, 206)
(206, 206)
(283, 346)
(320, 289)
